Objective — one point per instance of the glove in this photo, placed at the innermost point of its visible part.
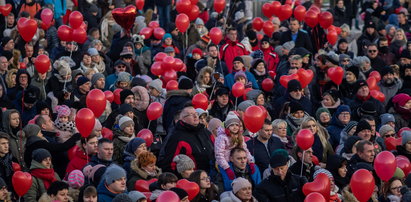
(230, 173)
(252, 168)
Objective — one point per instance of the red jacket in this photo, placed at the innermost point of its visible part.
(230, 50)
(78, 161)
(271, 58)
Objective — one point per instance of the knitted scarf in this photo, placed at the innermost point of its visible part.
(47, 175)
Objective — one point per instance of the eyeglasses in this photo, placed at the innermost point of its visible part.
(205, 179)
(193, 115)
(345, 113)
(372, 51)
(121, 66)
(396, 188)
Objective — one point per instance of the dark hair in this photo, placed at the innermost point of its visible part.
(360, 145)
(4, 136)
(87, 190)
(166, 177)
(267, 122)
(211, 45)
(237, 149)
(85, 140)
(210, 193)
(294, 19)
(57, 186)
(104, 140)
(231, 29)
(386, 187)
(40, 120)
(93, 29)
(372, 44)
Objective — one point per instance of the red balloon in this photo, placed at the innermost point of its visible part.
(245, 93)
(305, 139)
(153, 24)
(272, 74)
(109, 96)
(6, 9)
(372, 83)
(42, 64)
(183, 6)
(336, 74)
(182, 22)
(156, 68)
(404, 164)
(376, 75)
(168, 63)
(125, 16)
(276, 7)
(46, 16)
(258, 23)
(200, 101)
(321, 184)
(178, 64)
(159, 57)
(79, 35)
(285, 12)
(172, 85)
(194, 2)
(191, 188)
(216, 35)
(391, 144)
(169, 75)
(311, 18)
(96, 102)
(107, 133)
(314, 196)
(385, 165)
(168, 196)
(378, 95)
(286, 78)
(238, 89)
(315, 160)
(267, 84)
(326, 19)
(71, 153)
(305, 76)
(332, 37)
(27, 28)
(194, 12)
(337, 29)
(64, 33)
(117, 95)
(154, 111)
(146, 32)
(315, 9)
(75, 19)
(267, 10)
(85, 121)
(268, 28)
(219, 5)
(143, 185)
(140, 4)
(146, 135)
(159, 33)
(362, 184)
(21, 182)
(16, 167)
(253, 118)
(299, 12)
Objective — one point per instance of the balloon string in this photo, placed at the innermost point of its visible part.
(149, 122)
(302, 164)
(235, 107)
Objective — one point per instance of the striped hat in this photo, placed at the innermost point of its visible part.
(76, 179)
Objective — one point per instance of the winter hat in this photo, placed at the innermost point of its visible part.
(31, 130)
(354, 70)
(126, 52)
(335, 95)
(350, 125)
(213, 124)
(231, 119)
(181, 193)
(5, 40)
(405, 54)
(206, 39)
(386, 70)
(240, 183)
(96, 77)
(124, 108)
(240, 74)
(343, 108)
(132, 146)
(343, 57)
(362, 125)
(265, 39)
(289, 45)
(184, 83)
(124, 122)
(360, 61)
(253, 94)
(93, 8)
(293, 85)
(124, 94)
(2, 183)
(137, 81)
(370, 24)
(197, 51)
(63, 110)
(40, 154)
(385, 129)
(333, 58)
(156, 84)
(121, 62)
(201, 111)
(251, 34)
(222, 91)
(82, 80)
(31, 95)
(277, 159)
(325, 171)
(349, 143)
(123, 77)
(245, 104)
(142, 93)
(76, 179)
(239, 59)
(295, 106)
(368, 108)
(169, 49)
(183, 163)
(359, 84)
(406, 136)
(113, 173)
(92, 51)
(387, 117)
(401, 99)
(320, 111)
(276, 21)
(122, 198)
(136, 195)
(166, 36)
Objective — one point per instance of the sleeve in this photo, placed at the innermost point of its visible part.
(31, 194)
(219, 148)
(249, 156)
(260, 194)
(63, 146)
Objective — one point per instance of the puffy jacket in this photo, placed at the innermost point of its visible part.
(254, 178)
(37, 186)
(78, 161)
(104, 195)
(175, 101)
(262, 152)
(230, 50)
(229, 80)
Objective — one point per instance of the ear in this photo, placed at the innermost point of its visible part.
(299, 154)
(163, 186)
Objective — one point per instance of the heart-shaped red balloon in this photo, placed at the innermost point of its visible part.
(326, 19)
(332, 37)
(305, 139)
(219, 5)
(168, 63)
(183, 6)
(391, 143)
(305, 76)
(376, 75)
(65, 33)
(362, 184)
(285, 12)
(6, 9)
(200, 101)
(156, 68)
(238, 89)
(159, 33)
(299, 12)
(178, 64)
(143, 185)
(191, 188)
(42, 64)
(336, 74)
(372, 83)
(311, 18)
(146, 32)
(286, 78)
(268, 28)
(182, 22)
(378, 95)
(27, 28)
(315, 196)
(153, 24)
(46, 16)
(267, 10)
(321, 184)
(216, 35)
(194, 12)
(272, 74)
(125, 16)
(257, 23)
(169, 75)
(75, 19)
(21, 182)
(107, 133)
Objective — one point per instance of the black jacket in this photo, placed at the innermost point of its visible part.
(261, 153)
(303, 40)
(176, 100)
(308, 172)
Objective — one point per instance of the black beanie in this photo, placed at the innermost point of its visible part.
(251, 34)
(124, 108)
(40, 154)
(185, 83)
(386, 70)
(265, 38)
(368, 108)
(354, 70)
(293, 85)
(295, 106)
(362, 125)
(238, 58)
(31, 95)
(124, 93)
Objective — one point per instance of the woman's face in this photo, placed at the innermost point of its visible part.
(260, 100)
(204, 181)
(342, 171)
(150, 167)
(91, 198)
(325, 117)
(234, 128)
(281, 130)
(87, 60)
(244, 194)
(399, 36)
(46, 162)
(312, 126)
(298, 114)
(328, 101)
(395, 188)
(260, 67)
(350, 77)
(186, 174)
(14, 120)
(129, 130)
(408, 105)
(206, 78)
(140, 149)
(13, 80)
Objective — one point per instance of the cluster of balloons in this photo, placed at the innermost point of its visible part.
(267, 26)
(167, 67)
(125, 17)
(76, 31)
(372, 82)
(5, 9)
(303, 76)
(283, 12)
(153, 29)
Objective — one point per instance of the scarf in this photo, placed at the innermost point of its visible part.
(293, 122)
(283, 139)
(5, 163)
(364, 98)
(405, 113)
(47, 175)
(259, 73)
(126, 139)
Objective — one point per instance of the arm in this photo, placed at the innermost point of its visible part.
(31, 194)
(219, 149)
(63, 146)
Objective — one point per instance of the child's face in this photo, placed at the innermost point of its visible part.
(241, 79)
(63, 119)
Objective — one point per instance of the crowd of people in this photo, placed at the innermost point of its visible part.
(212, 148)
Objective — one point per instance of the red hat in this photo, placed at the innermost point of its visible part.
(401, 99)
(198, 51)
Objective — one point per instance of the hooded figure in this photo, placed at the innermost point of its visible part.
(17, 141)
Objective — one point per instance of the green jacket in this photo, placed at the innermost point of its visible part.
(37, 187)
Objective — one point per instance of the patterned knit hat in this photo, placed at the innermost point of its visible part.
(183, 163)
(124, 122)
(231, 119)
(240, 183)
(76, 179)
(63, 110)
(322, 170)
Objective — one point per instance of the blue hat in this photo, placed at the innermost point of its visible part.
(82, 80)
(167, 35)
(342, 108)
(132, 146)
(113, 173)
(387, 117)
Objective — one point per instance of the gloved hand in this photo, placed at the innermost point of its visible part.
(230, 173)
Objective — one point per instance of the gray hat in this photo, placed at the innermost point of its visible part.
(31, 130)
(253, 94)
(387, 117)
(124, 122)
(40, 154)
(92, 51)
(136, 195)
(96, 77)
(360, 61)
(124, 77)
(385, 129)
(245, 104)
(122, 198)
(199, 21)
(344, 56)
(183, 163)
(289, 45)
(156, 84)
(406, 136)
(93, 8)
(169, 49)
(333, 58)
(113, 173)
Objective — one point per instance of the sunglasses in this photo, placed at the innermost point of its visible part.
(372, 51)
(389, 135)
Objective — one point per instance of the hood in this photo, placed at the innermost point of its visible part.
(334, 162)
(144, 97)
(37, 165)
(6, 121)
(200, 76)
(19, 73)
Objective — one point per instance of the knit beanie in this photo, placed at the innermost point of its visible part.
(240, 183)
(295, 106)
(92, 51)
(406, 136)
(320, 111)
(124, 94)
(123, 77)
(132, 146)
(2, 183)
(387, 117)
(344, 56)
(354, 70)
(146, 78)
(322, 170)
(367, 107)
(386, 70)
(181, 193)
(31, 130)
(342, 108)
(137, 81)
(183, 163)
(350, 125)
(278, 159)
(293, 85)
(401, 99)
(231, 119)
(238, 59)
(124, 122)
(359, 84)
(136, 195)
(222, 91)
(124, 108)
(166, 36)
(76, 179)
(156, 84)
(362, 125)
(184, 83)
(96, 77)
(335, 94)
(40, 154)
(214, 123)
(240, 74)
(169, 49)
(349, 143)
(197, 51)
(245, 104)
(113, 173)
(63, 110)
(31, 95)
(289, 45)
(253, 94)
(385, 129)
(201, 112)
(265, 39)
(122, 198)
(82, 80)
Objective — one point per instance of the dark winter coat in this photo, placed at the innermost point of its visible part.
(261, 152)
(176, 100)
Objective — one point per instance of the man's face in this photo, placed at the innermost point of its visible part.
(91, 146)
(100, 83)
(105, 151)
(14, 120)
(213, 52)
(401, 18)
(405, 61)
(373, 126)
(364, 91)
(61, 196)
(29, 51)
(3, 193)
(237, 65)
(368, 154)
(4, 64)
(365, 134)
(266, 132)
(232, 35)
(372, 52)
(239, 160)
(4, 147)
(383, 43)
(85, 88)
(297, 94)
(24, 79)
(281, 171)
(308, 156)
(296, 64)
(10, 19)
(294, 26)
(48, 125)
(129, 100)
(190, 116)
(388, 78)
(118, 185)
(120, 68)
(96, 58)
(344, 117)
(222, 100)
